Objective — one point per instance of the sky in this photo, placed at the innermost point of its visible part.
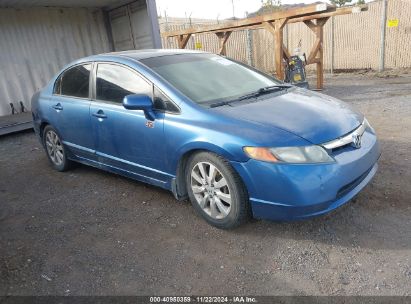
(213, 9)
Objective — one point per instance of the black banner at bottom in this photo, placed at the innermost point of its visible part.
(204, 299)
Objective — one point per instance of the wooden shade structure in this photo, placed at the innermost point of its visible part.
(314, 16)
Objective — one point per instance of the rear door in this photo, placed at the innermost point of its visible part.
(70, 110)
(125, 139)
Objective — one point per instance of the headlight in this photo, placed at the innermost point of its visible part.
(306, 154)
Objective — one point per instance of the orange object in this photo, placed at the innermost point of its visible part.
(263, 154)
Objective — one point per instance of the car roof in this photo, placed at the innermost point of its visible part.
(143, 54)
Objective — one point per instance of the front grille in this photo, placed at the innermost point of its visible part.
(348, 187)
(340, 148)
(346, 140)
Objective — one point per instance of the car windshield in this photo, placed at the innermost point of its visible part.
(207, 78)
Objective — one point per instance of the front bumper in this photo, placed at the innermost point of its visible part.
(297, 191)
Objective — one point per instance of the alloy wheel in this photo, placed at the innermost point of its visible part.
(54, 148)
(211, 190)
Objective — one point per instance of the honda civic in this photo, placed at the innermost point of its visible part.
(236, 142)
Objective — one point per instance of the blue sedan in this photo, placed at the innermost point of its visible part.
(236, 142)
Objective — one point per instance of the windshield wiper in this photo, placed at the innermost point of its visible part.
(264, 90)
(219, 104)
(257, 93)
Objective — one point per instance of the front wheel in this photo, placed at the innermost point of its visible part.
(216, 191)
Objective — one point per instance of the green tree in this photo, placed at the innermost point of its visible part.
(340, 3)
(269, 6)
(359, 2)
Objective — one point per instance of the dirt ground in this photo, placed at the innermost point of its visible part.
(88, 232)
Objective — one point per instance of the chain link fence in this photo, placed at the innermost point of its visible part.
(350, 41)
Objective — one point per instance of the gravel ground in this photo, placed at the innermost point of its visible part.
(88, 232)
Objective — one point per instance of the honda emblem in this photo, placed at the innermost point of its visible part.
(356, 141)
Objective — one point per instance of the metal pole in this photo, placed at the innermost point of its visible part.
(382, 45)
(167, 28)
(249, 47)
(332, 45)
(192, 38)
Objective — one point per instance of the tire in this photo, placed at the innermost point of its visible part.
(55, 150)
(216, 191)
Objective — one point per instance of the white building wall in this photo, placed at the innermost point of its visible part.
(35, 43)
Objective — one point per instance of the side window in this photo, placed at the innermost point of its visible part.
(74, 82)
(57, 86)
(162, 102)
(115, 82)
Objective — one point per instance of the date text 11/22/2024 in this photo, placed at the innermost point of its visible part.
(204, 299)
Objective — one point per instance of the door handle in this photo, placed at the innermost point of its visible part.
(100, 114)
(57, 107)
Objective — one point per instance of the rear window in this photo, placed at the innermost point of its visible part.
(74, 82)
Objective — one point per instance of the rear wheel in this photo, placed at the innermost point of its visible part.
(216, 191)
(55, 150)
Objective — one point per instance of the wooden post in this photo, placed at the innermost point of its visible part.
(320, 63)
(223, 37)
(317, 52)
(320, 71)
(183, 40)
(280, 51)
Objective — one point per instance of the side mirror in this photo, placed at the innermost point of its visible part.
(140, 102)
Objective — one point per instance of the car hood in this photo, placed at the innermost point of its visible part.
(313, 116)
